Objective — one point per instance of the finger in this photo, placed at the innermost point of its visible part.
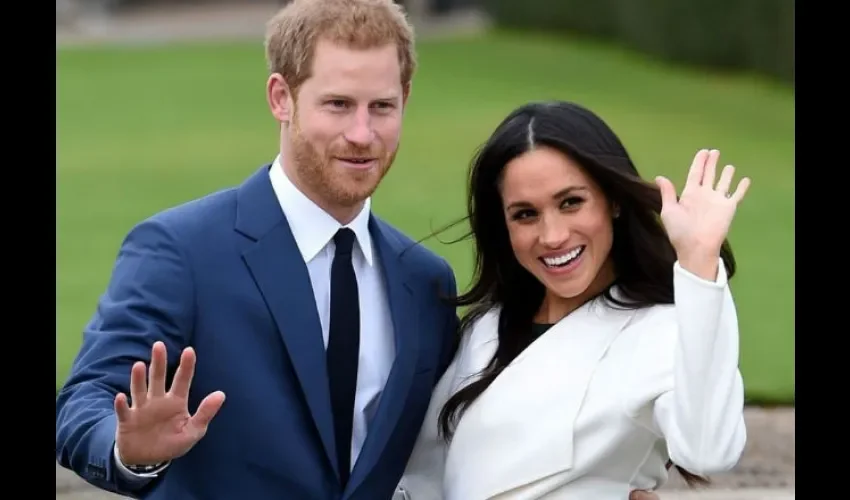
(122, 409)
(206, 411)
(743, 187)
(668, 192)
(156, 374)
(725, 179)
(183, 378)
(138, 384)
(697, 169)
(643, 495)
(710, 168)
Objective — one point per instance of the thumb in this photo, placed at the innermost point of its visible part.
(206, 411)
(668, 192)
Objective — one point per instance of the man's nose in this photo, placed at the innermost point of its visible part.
(360, 131)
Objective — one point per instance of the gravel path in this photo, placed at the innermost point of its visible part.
(243, 21)
(766, 471)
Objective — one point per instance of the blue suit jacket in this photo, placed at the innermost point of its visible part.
(223, 274)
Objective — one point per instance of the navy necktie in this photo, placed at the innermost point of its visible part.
(343, 347)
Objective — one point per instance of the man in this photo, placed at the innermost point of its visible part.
(265, 294)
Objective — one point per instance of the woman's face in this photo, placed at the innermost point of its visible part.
(559, 223)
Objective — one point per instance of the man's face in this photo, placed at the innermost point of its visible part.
(345, 124)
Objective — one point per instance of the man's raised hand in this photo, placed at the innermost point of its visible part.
(158, 427)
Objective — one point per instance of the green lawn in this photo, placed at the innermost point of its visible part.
(146, 128)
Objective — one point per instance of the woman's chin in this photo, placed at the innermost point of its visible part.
(566, 291)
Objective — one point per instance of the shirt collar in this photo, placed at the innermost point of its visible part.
(311, 226)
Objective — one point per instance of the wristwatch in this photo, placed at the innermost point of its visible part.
(145, 469)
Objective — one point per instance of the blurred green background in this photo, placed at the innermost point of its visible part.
(144, 128)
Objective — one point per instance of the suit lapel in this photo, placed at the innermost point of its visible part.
(282, 278)
(405, 320)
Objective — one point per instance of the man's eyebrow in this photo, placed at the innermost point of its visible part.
(334, 96)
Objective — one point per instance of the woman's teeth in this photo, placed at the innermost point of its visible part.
(563, 260)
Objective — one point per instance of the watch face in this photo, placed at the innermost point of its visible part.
(145, 468)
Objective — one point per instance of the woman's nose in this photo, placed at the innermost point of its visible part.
(554, 232)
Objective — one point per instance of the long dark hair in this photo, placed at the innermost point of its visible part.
(642, 255)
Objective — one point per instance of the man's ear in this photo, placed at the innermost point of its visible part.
(405, 93)
(279, 97)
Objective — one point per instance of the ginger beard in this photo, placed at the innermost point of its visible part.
(321, 173)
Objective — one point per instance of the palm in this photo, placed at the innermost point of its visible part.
(702, 216)
(159, 427)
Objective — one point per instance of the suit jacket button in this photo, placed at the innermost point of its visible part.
(96, 471)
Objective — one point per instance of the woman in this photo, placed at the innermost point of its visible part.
(600, 343)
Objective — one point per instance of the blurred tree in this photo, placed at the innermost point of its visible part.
(754, 35)
(416, 9)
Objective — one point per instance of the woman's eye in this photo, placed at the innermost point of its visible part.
(523, 214)
(572, 202)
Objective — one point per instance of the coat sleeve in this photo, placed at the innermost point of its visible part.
(149, 297)
(702, 416)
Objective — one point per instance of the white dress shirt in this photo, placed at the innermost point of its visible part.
(313, 230)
